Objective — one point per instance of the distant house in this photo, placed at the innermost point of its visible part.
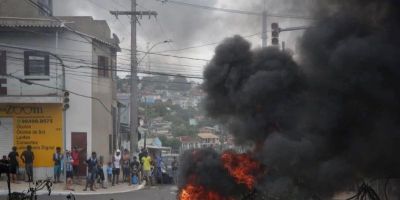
(189, 142)
(208, 140)
(208, 129)
(202, 140)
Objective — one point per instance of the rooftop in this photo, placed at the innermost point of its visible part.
(207, 136)
(82, 25)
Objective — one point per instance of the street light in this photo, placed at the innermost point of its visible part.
(144, 56)
(152, 47)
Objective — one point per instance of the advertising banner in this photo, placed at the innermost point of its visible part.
(38, 125)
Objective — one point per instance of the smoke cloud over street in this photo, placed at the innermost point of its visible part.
(324, 122)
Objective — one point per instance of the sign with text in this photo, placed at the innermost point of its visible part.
(38, 125)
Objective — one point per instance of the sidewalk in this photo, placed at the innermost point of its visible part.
(58, 189)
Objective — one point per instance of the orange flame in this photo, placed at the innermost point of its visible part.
(242, 167)
(192, 192)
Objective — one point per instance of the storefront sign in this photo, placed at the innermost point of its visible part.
(38, 125)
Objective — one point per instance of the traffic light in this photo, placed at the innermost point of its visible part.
(275, 34)
(66, 100)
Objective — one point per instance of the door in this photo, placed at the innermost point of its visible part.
(6, 136)
(79, 139)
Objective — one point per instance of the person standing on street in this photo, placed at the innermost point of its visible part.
(125, 165)
(92, 171)
(174, 166)
(57, 157)
(27, 158)
(76, 161)
(109, 172)
(68, 170)
(116, 167)
(141, 154)
(12, 157)
(146, 160)
(100, 174)
(135, 170)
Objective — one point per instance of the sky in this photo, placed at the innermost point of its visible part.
(188, 27)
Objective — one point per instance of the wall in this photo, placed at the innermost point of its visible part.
(74, 50)
(79, 114)
(18, 8)
(104, 89)
(15, 64)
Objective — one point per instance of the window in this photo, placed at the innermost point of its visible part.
(36, 63)
(3, 63)
(3, 72)
(103, 66)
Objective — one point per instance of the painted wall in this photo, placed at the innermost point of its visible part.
(74, 50)
(104, 88)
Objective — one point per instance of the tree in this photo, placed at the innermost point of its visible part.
(174, 143)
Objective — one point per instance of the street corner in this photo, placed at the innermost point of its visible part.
(78, 190)
(122, 188)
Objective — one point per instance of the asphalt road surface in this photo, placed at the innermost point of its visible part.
(147, 193)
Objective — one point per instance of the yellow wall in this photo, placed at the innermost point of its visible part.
(38, 125)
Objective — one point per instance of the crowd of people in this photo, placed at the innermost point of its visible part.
(135, 169)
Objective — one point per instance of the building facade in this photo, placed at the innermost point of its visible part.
(57, 83)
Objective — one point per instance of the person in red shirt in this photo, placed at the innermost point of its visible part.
(75, 154)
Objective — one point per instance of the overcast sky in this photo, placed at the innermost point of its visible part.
(187, 27)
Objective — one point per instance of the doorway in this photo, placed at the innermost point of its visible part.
(79, 139)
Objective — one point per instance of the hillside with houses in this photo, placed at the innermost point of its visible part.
(171, 115)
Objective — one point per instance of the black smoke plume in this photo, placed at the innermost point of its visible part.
(204, 168)
(325, 122)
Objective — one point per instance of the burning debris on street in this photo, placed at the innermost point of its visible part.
(319, 125)
(208, 175)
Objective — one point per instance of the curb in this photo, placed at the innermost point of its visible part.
(83, 193)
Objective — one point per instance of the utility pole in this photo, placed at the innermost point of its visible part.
(264, 36)
(134, 79)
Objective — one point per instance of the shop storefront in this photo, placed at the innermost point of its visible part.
(38, 125)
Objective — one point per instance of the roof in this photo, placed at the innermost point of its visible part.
(207, 136)
(187, 139)
(30, 22)
(82, 25)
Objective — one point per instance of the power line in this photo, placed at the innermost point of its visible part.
(178, 73)
(236, 11)
(211, 8)
(137, 52)
(127, 70)
(56, 88)
(202, 45)
(174, 56)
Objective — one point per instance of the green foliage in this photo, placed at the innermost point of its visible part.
(173, 143)
(183, 129)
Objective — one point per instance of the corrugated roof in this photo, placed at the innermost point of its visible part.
(29, 22)
(85, 23)
(207, 135)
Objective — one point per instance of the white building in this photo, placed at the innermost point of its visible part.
(33, 81)
(202, 140)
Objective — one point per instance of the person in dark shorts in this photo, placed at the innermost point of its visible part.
(116, 166)
(4, 166)
(28, 157)
(14, 165)
(135, 169)
(57, 157)
(100, 174)
(68, 170)
(92, 171)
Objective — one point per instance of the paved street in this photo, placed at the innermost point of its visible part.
(148, 193)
